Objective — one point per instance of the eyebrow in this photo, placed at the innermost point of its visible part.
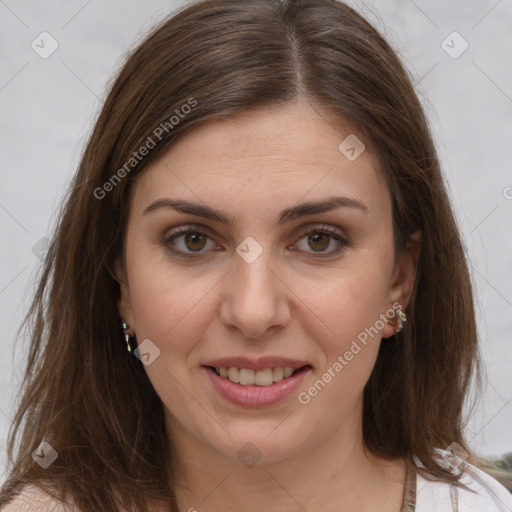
(287, 215)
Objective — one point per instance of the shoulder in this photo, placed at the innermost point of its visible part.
(478, 492)
(33, 499)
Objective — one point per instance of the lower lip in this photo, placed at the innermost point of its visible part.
(256, 396)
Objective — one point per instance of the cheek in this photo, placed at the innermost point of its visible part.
(351, 301)
(162, 294)
(349, 336)
(350, 332)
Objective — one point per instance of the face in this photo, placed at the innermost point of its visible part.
(225, 266)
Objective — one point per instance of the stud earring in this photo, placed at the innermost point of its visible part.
(126, 335)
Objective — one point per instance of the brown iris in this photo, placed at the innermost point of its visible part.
(195, 241)
(316, 238)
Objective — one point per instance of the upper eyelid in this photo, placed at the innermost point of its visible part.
(183, 229)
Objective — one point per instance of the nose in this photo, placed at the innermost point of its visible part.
(255, 299)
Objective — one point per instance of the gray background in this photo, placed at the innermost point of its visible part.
(48, 107)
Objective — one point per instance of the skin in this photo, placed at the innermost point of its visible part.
(291, 301)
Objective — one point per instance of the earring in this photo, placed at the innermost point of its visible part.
(400, 320)
(126, 335)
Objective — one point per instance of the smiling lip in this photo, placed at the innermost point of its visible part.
(256, 396)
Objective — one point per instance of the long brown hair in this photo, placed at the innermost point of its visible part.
(90, 398)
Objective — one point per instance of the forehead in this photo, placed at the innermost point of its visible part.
(265, 157)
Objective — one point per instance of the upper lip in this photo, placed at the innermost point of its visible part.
(260, 363)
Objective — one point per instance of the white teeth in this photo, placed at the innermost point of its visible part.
(264, 377)
(248, 377)
(233, 375)
(287, 372)
(278, 374)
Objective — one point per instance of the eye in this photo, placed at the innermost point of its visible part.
(188, 241)
(319, 238)
(193, 241)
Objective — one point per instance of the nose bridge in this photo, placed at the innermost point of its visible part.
(254, 299)
(255, 277)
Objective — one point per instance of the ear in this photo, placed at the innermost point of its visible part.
(404, 275)
(124, 305)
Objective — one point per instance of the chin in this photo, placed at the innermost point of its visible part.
(259, 446)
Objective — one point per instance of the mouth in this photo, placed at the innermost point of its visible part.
(256, 388)
(262, 378)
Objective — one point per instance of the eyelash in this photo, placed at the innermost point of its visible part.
(322, 229)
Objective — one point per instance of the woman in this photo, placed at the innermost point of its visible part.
(257, 295)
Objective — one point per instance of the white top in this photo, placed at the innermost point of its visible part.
(484, 494)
